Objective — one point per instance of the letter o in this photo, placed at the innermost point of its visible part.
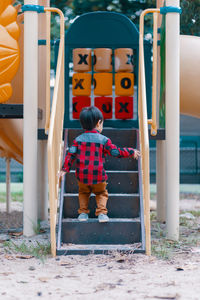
(125, 83)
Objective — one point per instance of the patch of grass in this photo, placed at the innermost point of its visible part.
(184, 221)
(37, 229)
(153, 196)
(160, 251)
(153, 216)
(15, 196)
(16, 192)
(2, 197)
(195, 213)
(163, 248)
(166, 249)
(159, 231)
(38, 250)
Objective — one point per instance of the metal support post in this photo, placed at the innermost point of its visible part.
(30, 119)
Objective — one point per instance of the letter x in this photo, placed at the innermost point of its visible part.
(123, 107)
(78, 83)
(130, 59)
(83, 59)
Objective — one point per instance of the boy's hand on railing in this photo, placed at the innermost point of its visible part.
(61, 174)
(136, 154)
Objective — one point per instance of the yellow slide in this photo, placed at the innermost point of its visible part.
(190, 75)
(11, 78)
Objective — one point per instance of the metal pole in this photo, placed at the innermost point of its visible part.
(42, 181)
(172, 121)
(42, 194)
(8, 193)
(30, 119)
(160, 149)
(160, 181)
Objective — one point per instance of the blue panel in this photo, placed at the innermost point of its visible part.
(102, 29)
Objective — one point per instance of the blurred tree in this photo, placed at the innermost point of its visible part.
(131, 8)
(190, 17)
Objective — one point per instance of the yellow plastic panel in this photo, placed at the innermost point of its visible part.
(124, 60)
(9, 48)
(4, 4)
(82, 59)
(9, 56)
(13, 29)
(102, 60)
(5, 92)
(124, 83)
(81, 84)
(103, 84)
(8, 16)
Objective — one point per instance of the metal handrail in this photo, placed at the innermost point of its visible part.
(143, 127)
(153, 122)
(48, 11)
(54, 125)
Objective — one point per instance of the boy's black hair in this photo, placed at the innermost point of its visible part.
(90, 116)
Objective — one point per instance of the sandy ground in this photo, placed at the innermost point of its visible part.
(100, 277)
(113, 276)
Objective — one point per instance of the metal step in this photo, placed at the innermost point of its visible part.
(119, 206)
(122, 137)
(116, 231)
(73, 249)
(128, 164)
(118, 182)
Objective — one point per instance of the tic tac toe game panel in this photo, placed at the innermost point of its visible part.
(101, 69)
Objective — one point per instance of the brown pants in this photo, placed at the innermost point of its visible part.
(101, 193)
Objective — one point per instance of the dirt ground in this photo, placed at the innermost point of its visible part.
(172, 272)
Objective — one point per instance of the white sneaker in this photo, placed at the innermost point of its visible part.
(83, 217)
(103, 218)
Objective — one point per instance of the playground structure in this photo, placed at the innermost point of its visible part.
(31, 88)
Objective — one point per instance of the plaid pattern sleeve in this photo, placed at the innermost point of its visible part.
(70, 157)
(115, 151)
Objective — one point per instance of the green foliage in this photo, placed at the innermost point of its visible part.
(38, 250)
(190, 17)
(189, 237)
(195, 213)
(37, 229)
(15, 196)
(130, 8)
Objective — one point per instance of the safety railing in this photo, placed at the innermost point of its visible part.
(54, 124)
(143, 121)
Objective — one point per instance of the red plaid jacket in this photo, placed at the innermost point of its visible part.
(89, 150)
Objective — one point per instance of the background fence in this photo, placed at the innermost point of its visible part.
(189, 162)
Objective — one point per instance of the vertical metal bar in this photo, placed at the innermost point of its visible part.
(8, 193)
(154, 88)
(48, 68)
(30, 119)
(172, 120)
(141, 196)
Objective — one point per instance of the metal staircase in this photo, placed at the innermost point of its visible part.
(125, 232)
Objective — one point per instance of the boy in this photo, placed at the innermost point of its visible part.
(89, 149)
